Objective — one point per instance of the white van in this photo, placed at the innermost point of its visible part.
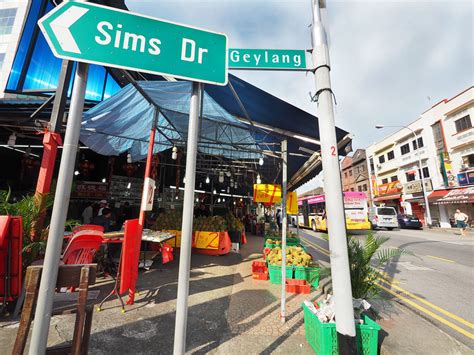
(383, 217)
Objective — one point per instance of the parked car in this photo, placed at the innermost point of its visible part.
(409, 221)
(383, 217)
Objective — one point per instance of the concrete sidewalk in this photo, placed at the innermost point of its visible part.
(229, 313)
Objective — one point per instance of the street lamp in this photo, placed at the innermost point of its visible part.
(420, 169)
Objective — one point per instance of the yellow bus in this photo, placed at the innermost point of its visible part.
(312, 212)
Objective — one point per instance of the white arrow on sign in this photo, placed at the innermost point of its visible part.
(60, 27)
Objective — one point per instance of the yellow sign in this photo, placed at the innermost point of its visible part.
(267, 193)
(206, 240)
(291, 203)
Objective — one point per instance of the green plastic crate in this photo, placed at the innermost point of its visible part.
(323, 336)
(274, 272)
(310, 274)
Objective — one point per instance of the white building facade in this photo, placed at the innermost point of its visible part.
(12, 18)
(442, 138)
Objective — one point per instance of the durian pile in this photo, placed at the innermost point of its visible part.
(210, 224)
(295, 256)
(273, 241)
(233, 223)
(170, 220)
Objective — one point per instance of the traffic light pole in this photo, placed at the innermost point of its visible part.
(336, 222)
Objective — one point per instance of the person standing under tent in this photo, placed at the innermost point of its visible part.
(102, 204)
(279, 219)
(88, 214)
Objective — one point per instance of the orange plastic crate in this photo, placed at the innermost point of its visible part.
(298, 286)
(259, 266)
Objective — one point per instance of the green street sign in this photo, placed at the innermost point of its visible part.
(271, 59)
(111, 37)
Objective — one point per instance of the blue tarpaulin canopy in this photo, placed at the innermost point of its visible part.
(122, 123)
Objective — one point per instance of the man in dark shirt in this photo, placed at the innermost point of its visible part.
(104, 219)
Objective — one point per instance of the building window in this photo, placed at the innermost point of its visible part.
(426, 172)
(361, 169)
(394, 178)
(365, 187)
(405, 149)
(382, 159)
(418, 143)
(350, 172)
(359, 188)
(390, 155)
(7, 18)
(438, 137)
(345, 174)
(2, 58)
(384, 181)
(352, 189)
(468, 161)
(372, 167)
(410, 177)
(463, 123)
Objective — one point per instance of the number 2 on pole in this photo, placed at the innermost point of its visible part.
(333, 151)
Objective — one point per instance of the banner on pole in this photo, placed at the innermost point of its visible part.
(148, 194)
(292, 203)
(267, 193)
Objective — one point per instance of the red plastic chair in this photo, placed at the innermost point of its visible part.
(81, 249)
(90, 229)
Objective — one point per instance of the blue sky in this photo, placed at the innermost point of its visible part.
(391, 60)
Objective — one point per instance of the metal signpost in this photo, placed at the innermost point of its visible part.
(46, 291)
(121, 39)
(336, 221)
(284, 157)
(187, 224)
(271, 59)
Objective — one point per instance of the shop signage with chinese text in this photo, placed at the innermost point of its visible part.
(414, 187)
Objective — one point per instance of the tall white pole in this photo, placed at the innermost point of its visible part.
(39, 337)
(420, 173)
(341, 281)
(187, 225)
(284, 156)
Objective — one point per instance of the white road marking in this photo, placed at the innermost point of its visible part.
(412, 267)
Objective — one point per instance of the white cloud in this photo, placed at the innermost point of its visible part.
(387, 57)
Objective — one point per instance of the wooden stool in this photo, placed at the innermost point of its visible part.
(70, 276)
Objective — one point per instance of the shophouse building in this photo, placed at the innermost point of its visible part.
(355, 175)
(347, 174)
(442, 139)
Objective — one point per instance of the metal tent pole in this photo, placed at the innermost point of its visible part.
(187, 225)
(149, 158)
(336, 222)
(44, 305)
(284, 226)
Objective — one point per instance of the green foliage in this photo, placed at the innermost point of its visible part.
(29, 208)
(365, 259)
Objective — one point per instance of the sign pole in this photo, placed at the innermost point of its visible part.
(336, 222)
(44, 305)
(284, 225)
(187, 224)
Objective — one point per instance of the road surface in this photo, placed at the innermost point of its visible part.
(437, 283)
